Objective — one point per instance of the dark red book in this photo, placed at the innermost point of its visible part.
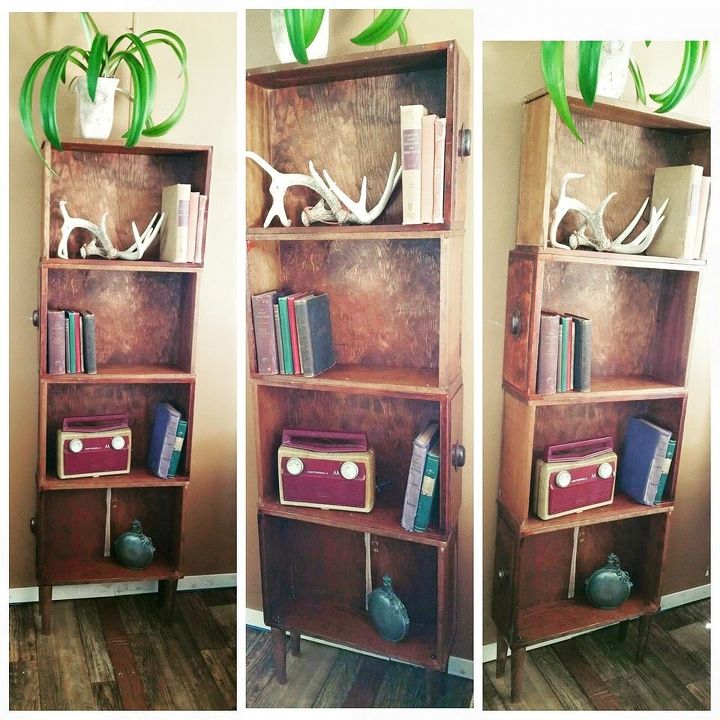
(56, 342)
(548, 353)
(264, 325)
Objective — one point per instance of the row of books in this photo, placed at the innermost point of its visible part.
(166, 441)
(182, 236)
(293, 333)
(423, 163)
(645, 461)
(684, 230)
(71, 342)
(564, 353)
(423, 483)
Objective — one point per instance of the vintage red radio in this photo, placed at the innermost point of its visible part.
(326, 469)
(93, 445)
(575, 476)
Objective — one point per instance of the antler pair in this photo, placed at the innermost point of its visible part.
(330, 207)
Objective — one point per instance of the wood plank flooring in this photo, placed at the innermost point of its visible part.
(327, 677)
(596, 672)
(116, 653)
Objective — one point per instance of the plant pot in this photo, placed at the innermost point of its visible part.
(318, 48)
(613, 69)
(96, 118)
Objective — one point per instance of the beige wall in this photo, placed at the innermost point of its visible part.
(510, 71)
(423, 26)
(210, 119)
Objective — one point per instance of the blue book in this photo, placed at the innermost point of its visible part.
(428, 488)
(666, 470)
(177, 450)
(162, 440)
(641, 460)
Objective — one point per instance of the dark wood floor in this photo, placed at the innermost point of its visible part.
(116, 654)
(327, 677)
(595, 671)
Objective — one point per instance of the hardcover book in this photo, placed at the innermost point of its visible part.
(278, 339)
(264, 325)
(582, 357)
(411, 142)
(294, 346)
(201, 227)
(174, 231)
(548, 353)
(192, 226)
(177, 448)
(428, 488)
(642, 459)
(315, 337)
(421, 445)
(56, 341)
(439, 170)
(681, 186)
(71, 356)
(162, 439)
(702, 216)
(88, 333)
(427, 168)
(669, 454)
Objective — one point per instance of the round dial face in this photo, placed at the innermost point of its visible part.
(118, 442)
(563, 479)
(76, 445)
(349, 470)
(605, 470)
(294, 466)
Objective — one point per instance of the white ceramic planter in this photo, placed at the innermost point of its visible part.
(95, 119)
(613, 69)
(318, 48)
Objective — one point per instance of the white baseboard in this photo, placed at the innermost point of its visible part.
(456, 665)
(666, 602)
(77, 592)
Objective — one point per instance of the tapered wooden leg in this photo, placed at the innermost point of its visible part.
(517, 670)
(46, 608)
(278, 650)
(295, 643)
(167, 590)
(434, 687)
(502, 651)
(643, 635)
(622, 630)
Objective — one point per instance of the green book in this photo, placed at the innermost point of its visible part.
(285, 335)
(428, 488)
(177, 449)
(72, 367)
(564, 334)
(669, 453)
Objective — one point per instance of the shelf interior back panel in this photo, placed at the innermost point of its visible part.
(140, 318)
(128, 186)
(349, 127)
(384, 294)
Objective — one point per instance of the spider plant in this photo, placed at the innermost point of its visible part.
(103, 59)
(303, 26)
(552, 63)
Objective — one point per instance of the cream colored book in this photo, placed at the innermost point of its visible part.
(427, 167)
(411, 141)
(192, 226)
(681, 186)
(174, 233)
(439, 170)
(702, 216)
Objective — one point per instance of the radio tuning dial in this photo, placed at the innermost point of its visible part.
(75, 445)
(118, 442)
(605, 470)
(349, 470)
(563, 479)
(294, 466)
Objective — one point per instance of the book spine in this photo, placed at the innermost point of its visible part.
(548, 354)
(79, 349)
(564, 325)
(439, 170)
(653, 479)
(693, 214)
(583, 354)
(177, 448)
(201, 225)
(414, 483)
(570, 354)
(427, 168)
(285, 333)
(67, 343)
(72, 367)
(320, 334)
(669, 454)
(428, 491)
(411, 142)
(304, 340)
(192, 226)
(704, 240)
(89, 343)
(264, 325)
(294, 336)
(278, 340)
(56, 342)
(162, 442)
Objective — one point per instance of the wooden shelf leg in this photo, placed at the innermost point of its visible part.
(643, 635)
(278, 650)
(46, 608)
(622, 630)
(167, 590)
(295, 643)
(435, 686)
(502, 651)
(517, 670)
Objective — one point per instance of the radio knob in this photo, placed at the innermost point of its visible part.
(605, 470)
(294, 466)
(563, 479)
(118, 442)
(349, 470)
(76, 445)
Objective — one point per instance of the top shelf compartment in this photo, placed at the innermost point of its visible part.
(344, 116)
(96, 177)
(623, 146)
